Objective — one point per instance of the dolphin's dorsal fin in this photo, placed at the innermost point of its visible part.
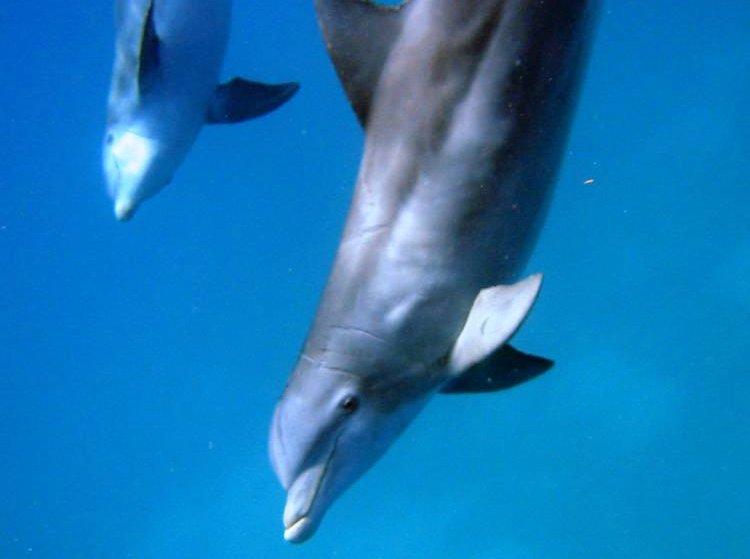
(241, 99)
(495, 316)
(359, 35)
(148, 55)
(505, 368)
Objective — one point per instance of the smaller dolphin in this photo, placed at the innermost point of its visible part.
(165, 87)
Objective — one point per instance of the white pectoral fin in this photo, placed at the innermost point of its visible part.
(240, 99)
(481, 360)
(495, 316)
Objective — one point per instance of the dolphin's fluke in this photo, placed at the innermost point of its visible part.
(359, 35)
(495, 316)
(241, 99)
(505, 368)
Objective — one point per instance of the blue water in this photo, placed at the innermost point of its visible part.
(140, 362)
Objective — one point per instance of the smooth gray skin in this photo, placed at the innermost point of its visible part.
(466, 107)
(162, 91)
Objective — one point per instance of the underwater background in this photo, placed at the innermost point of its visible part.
(140, 362)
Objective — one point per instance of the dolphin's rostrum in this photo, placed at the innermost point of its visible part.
(164, 88)
(466, 107)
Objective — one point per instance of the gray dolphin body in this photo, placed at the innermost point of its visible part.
(165, 87)
(466, 106)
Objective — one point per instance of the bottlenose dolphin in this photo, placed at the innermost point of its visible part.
(164, 88)
(466, 107)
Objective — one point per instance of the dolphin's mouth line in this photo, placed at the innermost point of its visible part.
(303, 515)
(295, 524)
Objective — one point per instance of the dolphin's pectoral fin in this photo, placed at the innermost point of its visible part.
(505, 368)
(241, 99)
(359, 35)
(148, 57)
(495, 316)
(481, 361)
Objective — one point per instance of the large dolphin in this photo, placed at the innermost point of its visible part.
(165, 87)
(466, 106)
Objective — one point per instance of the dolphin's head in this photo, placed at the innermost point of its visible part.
(328, 428)
(132, 168)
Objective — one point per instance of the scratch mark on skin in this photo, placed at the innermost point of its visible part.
(360, 331)
(309, 359)
(364, 234)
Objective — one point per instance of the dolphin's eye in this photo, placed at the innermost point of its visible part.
(349, 404)
(109, 139)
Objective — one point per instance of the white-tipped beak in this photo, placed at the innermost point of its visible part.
(304, 509)
(124, 209)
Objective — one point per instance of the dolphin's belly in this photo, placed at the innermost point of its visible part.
(193, 38)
